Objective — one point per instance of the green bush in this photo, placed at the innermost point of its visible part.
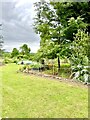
(7, 60)
(15, 60)
(81, 73)
(65, 70)
(65, 65)
(24, 67)
(36, 65)
(33, 65)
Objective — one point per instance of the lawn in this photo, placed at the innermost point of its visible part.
(26, 96)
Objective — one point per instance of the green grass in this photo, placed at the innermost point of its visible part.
(26, 96)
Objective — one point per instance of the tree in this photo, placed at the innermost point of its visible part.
(46, 28)
(14, 52)
(25, 50)
(1, 37)
(1, 40)
(58, 22)
(73, 9)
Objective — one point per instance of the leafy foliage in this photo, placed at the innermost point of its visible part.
(1, 40)
(25, 50)
(79, 56)
(15, 52)
(62, 28)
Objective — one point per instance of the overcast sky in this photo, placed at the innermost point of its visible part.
(17, 19)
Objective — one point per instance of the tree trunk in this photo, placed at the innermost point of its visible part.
(58, 65)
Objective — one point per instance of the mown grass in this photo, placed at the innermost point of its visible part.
(26, 96)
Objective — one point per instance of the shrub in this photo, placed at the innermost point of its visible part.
(81, 73)
(36, 65)
(7, 60)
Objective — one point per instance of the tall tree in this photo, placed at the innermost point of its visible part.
(58, 22)
(1, 40)
(25, 50)
(14, 52)
(1, 37)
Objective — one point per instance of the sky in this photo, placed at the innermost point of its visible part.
(17, 19)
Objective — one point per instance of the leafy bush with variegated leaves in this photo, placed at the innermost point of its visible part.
(79, 56)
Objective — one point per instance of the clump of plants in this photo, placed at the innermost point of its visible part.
(33, 66)
(79, 57)
(7, 60)
(36, 65)
(81, 73)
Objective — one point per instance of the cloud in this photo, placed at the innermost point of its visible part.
(17, 19)
(14, 44)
